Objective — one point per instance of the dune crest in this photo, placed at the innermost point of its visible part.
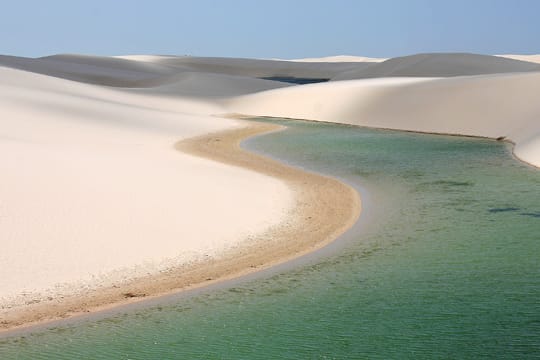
(440, 65)
(529, 58)
(339, 58)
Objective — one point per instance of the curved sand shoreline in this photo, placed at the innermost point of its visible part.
(324, 209)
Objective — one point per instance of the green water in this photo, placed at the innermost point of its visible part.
(445, 264)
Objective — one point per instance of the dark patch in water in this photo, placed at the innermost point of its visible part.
(295, 80)
(447, 184)
(412, 174)
(364, 173)
(506, 209)
(531, 214)
(452, 183)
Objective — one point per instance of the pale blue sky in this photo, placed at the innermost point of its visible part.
(263, 28)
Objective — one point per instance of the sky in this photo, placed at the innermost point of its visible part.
(269, 28)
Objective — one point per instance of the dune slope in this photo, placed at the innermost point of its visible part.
(528, 58)
(93, 189)
(440, 65)
(208, 85)
(338, 58)
(255, 67)
(491, 106)
(93, 69)
(146, 76)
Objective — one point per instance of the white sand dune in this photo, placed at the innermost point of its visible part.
(254, 67)
(439, 65)
(92, 187)
(149, 77)
(529, 58)
(161, 70)
(94, 69)
(208, 85)
(491, 106)
(339, 58)
(91, 184)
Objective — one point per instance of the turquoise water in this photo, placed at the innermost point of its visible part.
(445, 264)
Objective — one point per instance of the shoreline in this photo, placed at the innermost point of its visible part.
(324, 209)
(504, 140)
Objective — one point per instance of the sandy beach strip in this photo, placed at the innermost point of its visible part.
(324, 209)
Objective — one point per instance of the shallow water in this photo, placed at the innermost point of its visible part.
(446, 267)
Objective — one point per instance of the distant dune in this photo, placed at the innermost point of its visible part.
(339, 58)
(529, 58)
(207, 85)
(124, 73)
(155, 70)
(439, 65)
(94, 69)
(255, 67)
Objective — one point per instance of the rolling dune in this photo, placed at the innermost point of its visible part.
(529, 58)
(439, 65)
(94, 193)
(255, 67)
(93, 190)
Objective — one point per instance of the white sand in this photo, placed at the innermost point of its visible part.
(529, 58)
(439, 65)
(92, 189)
(260, 68)
(91, 184)
(339, 58)
(94, 69)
